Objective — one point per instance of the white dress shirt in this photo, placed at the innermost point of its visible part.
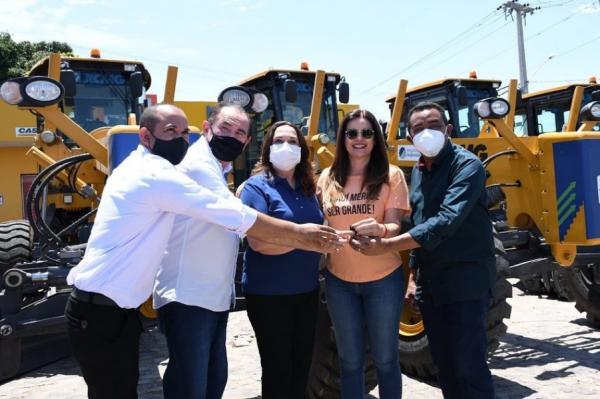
(199, 267)
(134, 222)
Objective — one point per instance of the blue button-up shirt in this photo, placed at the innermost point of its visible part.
(296, 271)
(456, 260)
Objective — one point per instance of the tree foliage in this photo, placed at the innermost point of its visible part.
(17, 58)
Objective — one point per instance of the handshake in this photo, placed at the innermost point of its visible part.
(365, 236)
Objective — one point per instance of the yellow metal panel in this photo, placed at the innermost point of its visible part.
(87, 142)
(315, 108)
(574, 109)
(512, 100)
(196, 111)
(396, 114)
(345, 109)
(17, 126)
(170, 85)
(577, 232)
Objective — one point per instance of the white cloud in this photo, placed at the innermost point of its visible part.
(244, 6)
(590, 8)
(81, 2)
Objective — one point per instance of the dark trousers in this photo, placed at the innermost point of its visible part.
(285, 328)
(105, 342)
(458, 343)
(197, 367)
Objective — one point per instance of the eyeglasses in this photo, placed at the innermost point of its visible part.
(352, 134)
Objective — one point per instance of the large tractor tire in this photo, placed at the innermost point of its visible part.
(324, 377)
(415, 356)
(16, 242)
(583, 284)
(560, 288)
(532, 285)
(550, 283)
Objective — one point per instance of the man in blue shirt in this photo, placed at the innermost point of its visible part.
(453, 253)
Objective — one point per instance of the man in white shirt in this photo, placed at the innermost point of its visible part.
(134, 221)
(195, 283)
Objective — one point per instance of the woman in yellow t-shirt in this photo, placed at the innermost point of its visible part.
(364, 293)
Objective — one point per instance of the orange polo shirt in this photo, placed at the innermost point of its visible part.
(353, 206)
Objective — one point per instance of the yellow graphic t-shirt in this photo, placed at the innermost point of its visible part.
(344, 210)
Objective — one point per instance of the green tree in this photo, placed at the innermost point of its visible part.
(17, 58)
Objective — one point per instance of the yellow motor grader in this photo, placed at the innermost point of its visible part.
(85, 111)
(543, 187)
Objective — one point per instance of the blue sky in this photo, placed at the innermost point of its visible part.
(372, 43)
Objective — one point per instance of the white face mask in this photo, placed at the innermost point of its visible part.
(285, 156)
(429, 142)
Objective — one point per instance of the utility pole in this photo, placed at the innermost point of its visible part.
(521, 10)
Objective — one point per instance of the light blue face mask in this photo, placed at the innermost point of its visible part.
(429, 142)
(285, 156)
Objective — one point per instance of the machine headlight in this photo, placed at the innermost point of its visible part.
(482, 109)
(324, 139)
(43, 90)
(48, 136)
(493, 108)
(10, 91)
(260, 103)
(591, 111)
(500, 107)
(36, 91)
(595, 110)
(249, 99)
(236, 96)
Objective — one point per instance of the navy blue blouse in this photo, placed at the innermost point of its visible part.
(294, 272)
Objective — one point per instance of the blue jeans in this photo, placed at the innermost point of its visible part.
(197, 366)
(373, 306)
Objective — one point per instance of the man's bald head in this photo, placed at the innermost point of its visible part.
(162, 121)
(154, 114)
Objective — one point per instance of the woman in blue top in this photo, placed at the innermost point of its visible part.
(281, 283)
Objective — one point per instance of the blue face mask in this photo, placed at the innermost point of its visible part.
(172, 150)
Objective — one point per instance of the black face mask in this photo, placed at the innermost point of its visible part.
(172, 150)
(225, 148)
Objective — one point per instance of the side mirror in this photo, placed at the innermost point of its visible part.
(67, 78)
(461, 96)
(344, 92)
(519, 98)
(289, 87)
(304, 126)
(136, 84)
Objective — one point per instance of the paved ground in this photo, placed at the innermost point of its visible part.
(549, 352)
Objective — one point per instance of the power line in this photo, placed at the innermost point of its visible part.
(534, 36)
(459, 52)
(443, 47)
(578, 47)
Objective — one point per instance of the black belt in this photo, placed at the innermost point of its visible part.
(92, 297)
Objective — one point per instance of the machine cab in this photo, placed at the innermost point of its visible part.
(100, 92)
(548, 110)
(290, 95)
(457, 96)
